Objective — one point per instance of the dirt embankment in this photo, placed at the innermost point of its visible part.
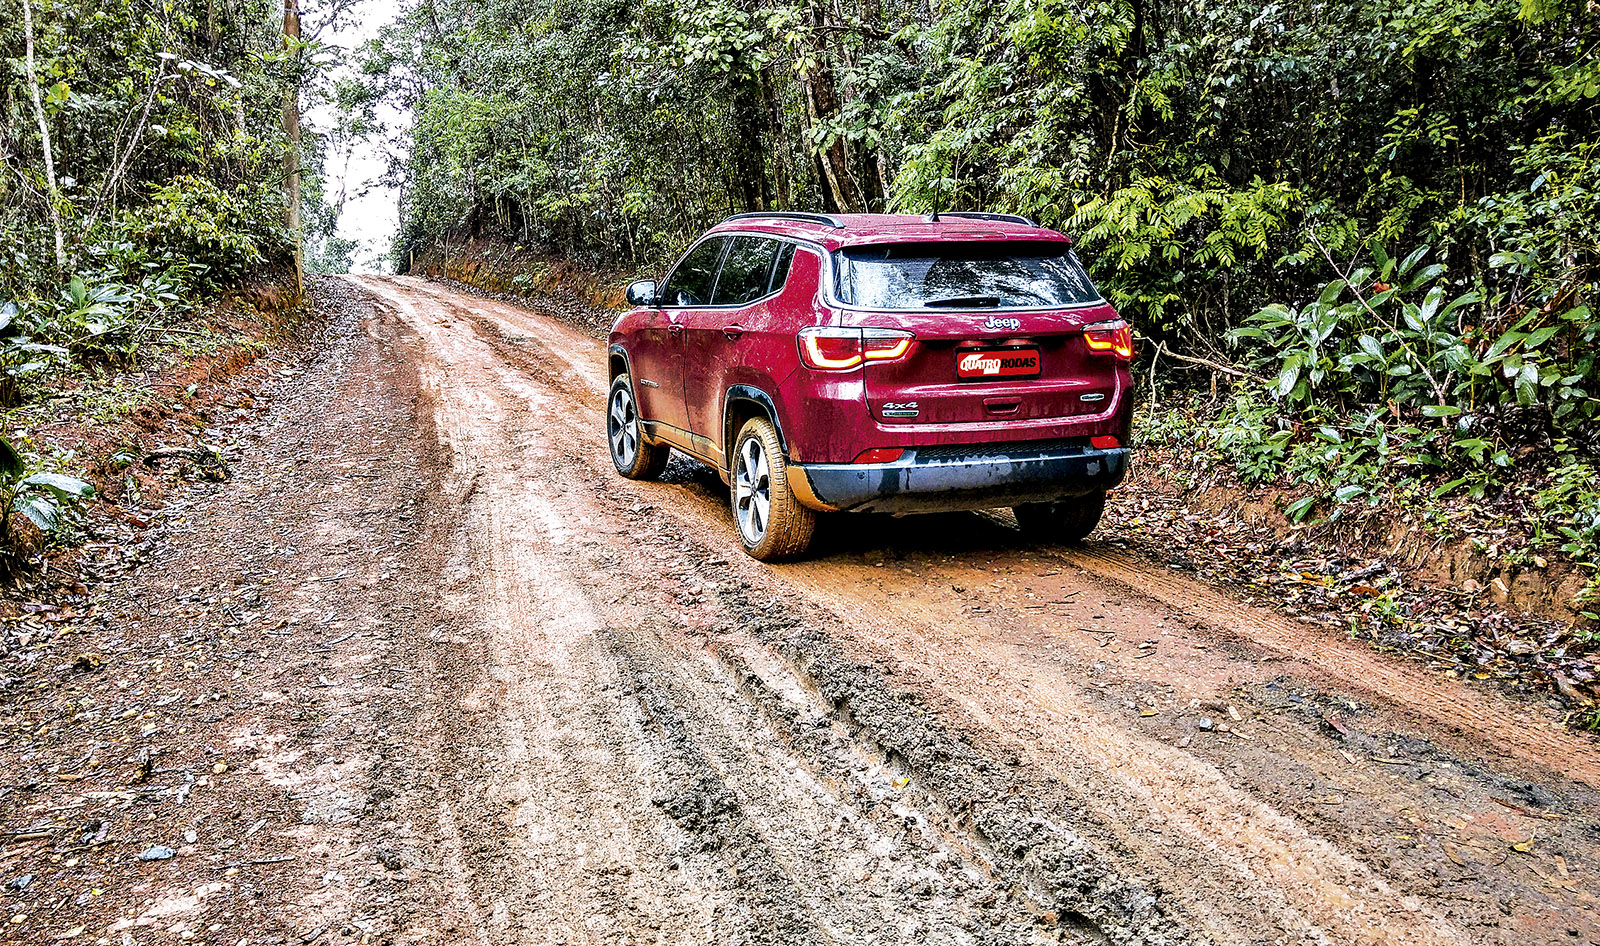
(1428, 591)
(133, 431)
(1467, 556)
(515, 271)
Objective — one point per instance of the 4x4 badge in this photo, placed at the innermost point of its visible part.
(994, 323)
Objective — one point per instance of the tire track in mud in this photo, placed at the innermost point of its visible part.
(1060, 847)
(1103, 835)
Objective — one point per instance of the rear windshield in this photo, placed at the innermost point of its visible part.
(992, 275)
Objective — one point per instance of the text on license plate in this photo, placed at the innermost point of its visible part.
(1006, 363)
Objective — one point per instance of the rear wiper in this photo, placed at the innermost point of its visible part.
(965, 302)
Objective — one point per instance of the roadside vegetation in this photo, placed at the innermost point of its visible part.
(151, 156)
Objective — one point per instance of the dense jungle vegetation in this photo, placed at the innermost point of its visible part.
(1377, 220)
(149, 159)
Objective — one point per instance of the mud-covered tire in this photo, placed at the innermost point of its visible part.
(630, 453)
(1065, 520)
(770, 521)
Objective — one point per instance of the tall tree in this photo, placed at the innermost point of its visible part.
(53, 189)
(292, 157)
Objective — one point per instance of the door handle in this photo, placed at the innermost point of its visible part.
(674, 329)
(732, 332)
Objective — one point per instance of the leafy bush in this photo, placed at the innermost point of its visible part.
(1396, 385)
(43, 498)
(195, 220)
(20, 357)
(1396, 338)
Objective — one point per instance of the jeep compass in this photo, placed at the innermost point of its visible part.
(877, 363)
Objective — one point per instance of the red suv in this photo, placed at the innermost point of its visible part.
(878, 363)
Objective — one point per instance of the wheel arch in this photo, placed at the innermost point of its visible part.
(742, 403)
(617, 360)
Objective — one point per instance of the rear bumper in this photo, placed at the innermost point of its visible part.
(943, 479)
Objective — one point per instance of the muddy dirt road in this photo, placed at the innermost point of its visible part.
(587, 717)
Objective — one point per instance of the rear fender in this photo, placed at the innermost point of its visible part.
(742, 402)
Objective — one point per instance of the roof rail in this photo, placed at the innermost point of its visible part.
(974, 215)
(826, 220)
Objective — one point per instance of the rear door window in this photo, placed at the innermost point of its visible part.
(690, 284)
(747, 272)
(987, 275)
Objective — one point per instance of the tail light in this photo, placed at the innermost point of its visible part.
(1110, 338)
(1104, 443)
(840, 349)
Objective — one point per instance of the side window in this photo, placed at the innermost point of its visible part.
(781, 266)
(747, 272)
(690, 284)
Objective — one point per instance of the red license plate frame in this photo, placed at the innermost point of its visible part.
(991, 364)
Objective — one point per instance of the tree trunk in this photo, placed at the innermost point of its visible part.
(54, 192)
(755, 192)
(822, 105)
(782, 176)
(291, 130)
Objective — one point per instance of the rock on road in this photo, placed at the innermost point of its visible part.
(607, 725)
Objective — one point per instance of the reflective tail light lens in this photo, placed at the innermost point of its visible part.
(1110, 338)
(1104, 443)
(841, 349)
(880, 455)
(830, 349)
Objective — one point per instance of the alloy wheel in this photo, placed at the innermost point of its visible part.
(623, 428)
(752, 491)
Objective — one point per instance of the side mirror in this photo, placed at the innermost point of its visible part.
(643, 293)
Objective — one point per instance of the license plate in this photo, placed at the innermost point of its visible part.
(998, 363)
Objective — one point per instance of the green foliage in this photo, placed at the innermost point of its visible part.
(1164, 242)
(20, 357)
(1568, 515)
(44, 498)
(1398, 336)
(1398, 385)
(218, 231)
(617, 130)
(163, 123)
(167, 179)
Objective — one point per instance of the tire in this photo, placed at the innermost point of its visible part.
(1066, 520)
(770, 521)
(632, 456)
